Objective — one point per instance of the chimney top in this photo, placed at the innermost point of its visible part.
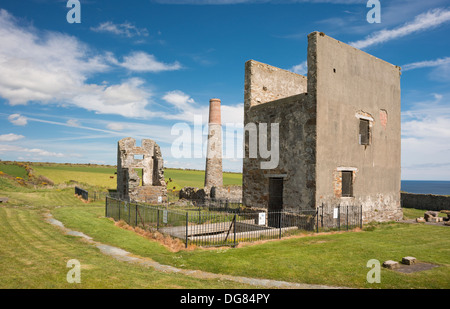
(214, 111)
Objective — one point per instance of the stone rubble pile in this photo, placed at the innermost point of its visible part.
(407, 260)
(433, 216)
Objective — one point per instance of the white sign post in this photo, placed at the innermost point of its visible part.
(335, 213)
(164, 216)
(262, 218)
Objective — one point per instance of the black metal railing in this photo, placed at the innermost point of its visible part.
(210, 225)
(341, 217)
(83, 193)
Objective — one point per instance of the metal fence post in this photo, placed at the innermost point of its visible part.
(136, 214)
(317, 220)
(106, 207)
(157, 219)
(234, 229)
(347, 218)
(187, 223)
(321, 217)
(279, 225)
(339, 217)
(360, 220)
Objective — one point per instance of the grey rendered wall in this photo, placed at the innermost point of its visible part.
(348, 84)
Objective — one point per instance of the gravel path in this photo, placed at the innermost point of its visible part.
(126, 256)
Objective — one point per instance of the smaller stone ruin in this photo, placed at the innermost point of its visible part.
(140, 173)
(433, 216)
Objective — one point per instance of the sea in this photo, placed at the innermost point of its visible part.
(426, 187)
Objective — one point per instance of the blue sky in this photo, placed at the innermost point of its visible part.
(69, 92)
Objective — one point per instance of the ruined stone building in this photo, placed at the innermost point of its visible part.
(339, 132)
(140, 173)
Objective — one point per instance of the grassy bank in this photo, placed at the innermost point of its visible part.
(337, 259)
(34, 255)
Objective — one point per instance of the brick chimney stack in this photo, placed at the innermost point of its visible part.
(213, 171)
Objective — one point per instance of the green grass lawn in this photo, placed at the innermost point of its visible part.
(33, 253)
(411, 213)
(14, 170)
(95, 175)
(100, 176)
(332, 259)
(39, 197)
(194, 178)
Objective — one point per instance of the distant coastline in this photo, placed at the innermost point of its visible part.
(437, 187)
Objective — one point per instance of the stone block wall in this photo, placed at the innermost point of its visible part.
(425, 201)
(228, 193)
(223, 193)
(149, 194)
(296, 118)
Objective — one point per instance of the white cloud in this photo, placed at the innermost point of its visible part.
(301, 68)
(426, 140)
(143, 62)
(18, 119)
(179, 99)
(115, 126)
(31, 152)
(440, 71)
(11, 137)
(52, 68)
(41, 67)
(426, 64)
(124, 29)
(188, 109)
(428, 20)
(128, 99)
(73, 123)
(233, 114)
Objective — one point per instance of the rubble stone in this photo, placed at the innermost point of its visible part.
(408, 260)
(391, 264)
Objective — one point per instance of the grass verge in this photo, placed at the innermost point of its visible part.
(336, 259)
(34, 255)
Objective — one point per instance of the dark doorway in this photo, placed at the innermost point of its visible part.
(275, 201)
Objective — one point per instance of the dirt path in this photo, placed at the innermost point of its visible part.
(126, 256)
